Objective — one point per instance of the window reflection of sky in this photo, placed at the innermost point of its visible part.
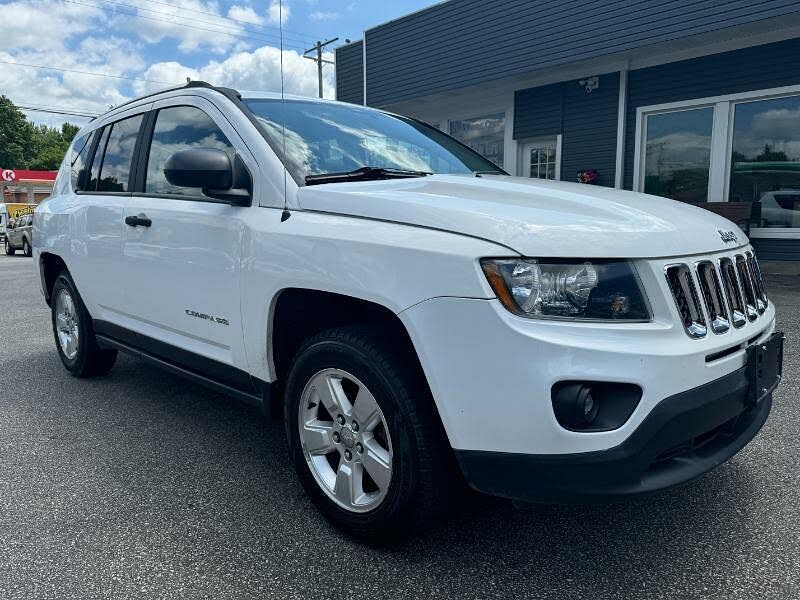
(330, 138)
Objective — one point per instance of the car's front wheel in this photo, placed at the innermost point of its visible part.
(9, 249)
(364, 436)
(26, 248)
(74, 334)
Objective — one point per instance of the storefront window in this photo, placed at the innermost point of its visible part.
(678, 154)
(765, 160)
(485, 135)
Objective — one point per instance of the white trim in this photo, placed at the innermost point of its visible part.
(719, 157)
(509, 143)
(765, 94)
(638, 159)
(619, 163)
(364, 68)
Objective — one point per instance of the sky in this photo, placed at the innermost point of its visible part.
(85, 56)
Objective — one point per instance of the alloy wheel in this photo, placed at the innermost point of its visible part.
(67, 324)
(345, 440)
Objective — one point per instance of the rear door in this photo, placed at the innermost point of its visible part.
(182, 271)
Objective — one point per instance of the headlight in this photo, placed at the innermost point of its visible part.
(597, 290)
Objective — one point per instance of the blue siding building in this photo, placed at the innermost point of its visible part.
(694, 100)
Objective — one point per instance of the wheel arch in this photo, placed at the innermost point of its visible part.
(50, 265)
(295, 314)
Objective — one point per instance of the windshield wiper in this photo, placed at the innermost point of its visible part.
(364, 174)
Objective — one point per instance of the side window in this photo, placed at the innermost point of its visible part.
(115, 169)
(78, 158)
(180, 128)
(94, 174)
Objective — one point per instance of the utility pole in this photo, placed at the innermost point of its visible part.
(318, 59)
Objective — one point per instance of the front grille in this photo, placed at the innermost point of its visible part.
(732, 292)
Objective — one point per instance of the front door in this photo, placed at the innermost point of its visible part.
(541, 158)
(182, 252)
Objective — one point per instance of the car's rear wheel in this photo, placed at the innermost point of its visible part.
(364, 436)
(26, 248)
(73, 332)
(9, 249)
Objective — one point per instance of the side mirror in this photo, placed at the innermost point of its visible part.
(211, 170)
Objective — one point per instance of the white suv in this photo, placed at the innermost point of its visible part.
(419, 317)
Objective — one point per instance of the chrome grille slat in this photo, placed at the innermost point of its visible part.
(711, 290)
(747, 287)
(758, 283)
(681, 283)
(733, 291)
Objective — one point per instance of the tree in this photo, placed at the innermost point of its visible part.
(27, 146)
(16, 136)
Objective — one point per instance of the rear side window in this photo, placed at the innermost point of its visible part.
(180, 128)
(94, 174)
(79, 158)
(115, 169)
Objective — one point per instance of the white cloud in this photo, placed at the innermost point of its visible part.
(195, 24)
(45, 24)
(246, 14)
(256, 70)
(277, 13)
(320, 15)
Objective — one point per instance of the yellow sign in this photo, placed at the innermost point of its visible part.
(15, 211)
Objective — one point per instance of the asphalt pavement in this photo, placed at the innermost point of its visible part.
(141, 485)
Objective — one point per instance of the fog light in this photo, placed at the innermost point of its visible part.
(575, 406)
(593, 405)
(590, 407)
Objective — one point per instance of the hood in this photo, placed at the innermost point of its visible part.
(534, 217)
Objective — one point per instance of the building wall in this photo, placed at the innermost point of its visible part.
(760, 67)
(586, 121)
(466, 42)
(350, 73)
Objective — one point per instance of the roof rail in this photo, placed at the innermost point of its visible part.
(191, 84)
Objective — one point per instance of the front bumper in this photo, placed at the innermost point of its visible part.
(683, 437)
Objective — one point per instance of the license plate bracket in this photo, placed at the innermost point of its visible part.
(764, 367)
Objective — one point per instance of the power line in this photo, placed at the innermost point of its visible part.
(269, 37)
(55, 111)
(299, 36)
(65, 70)
(136, 14)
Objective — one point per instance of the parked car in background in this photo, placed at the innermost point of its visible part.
(417, 316)
(19, 236)
(10, 212)
(780, 208)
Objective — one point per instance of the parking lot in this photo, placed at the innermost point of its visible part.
(143, 485)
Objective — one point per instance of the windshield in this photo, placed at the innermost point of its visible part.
(322, 138)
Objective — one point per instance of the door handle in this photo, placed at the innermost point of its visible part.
(138, 220)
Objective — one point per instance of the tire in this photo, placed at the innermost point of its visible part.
(26, 248)
(9, 249)
(71, 321)
(415, 490)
